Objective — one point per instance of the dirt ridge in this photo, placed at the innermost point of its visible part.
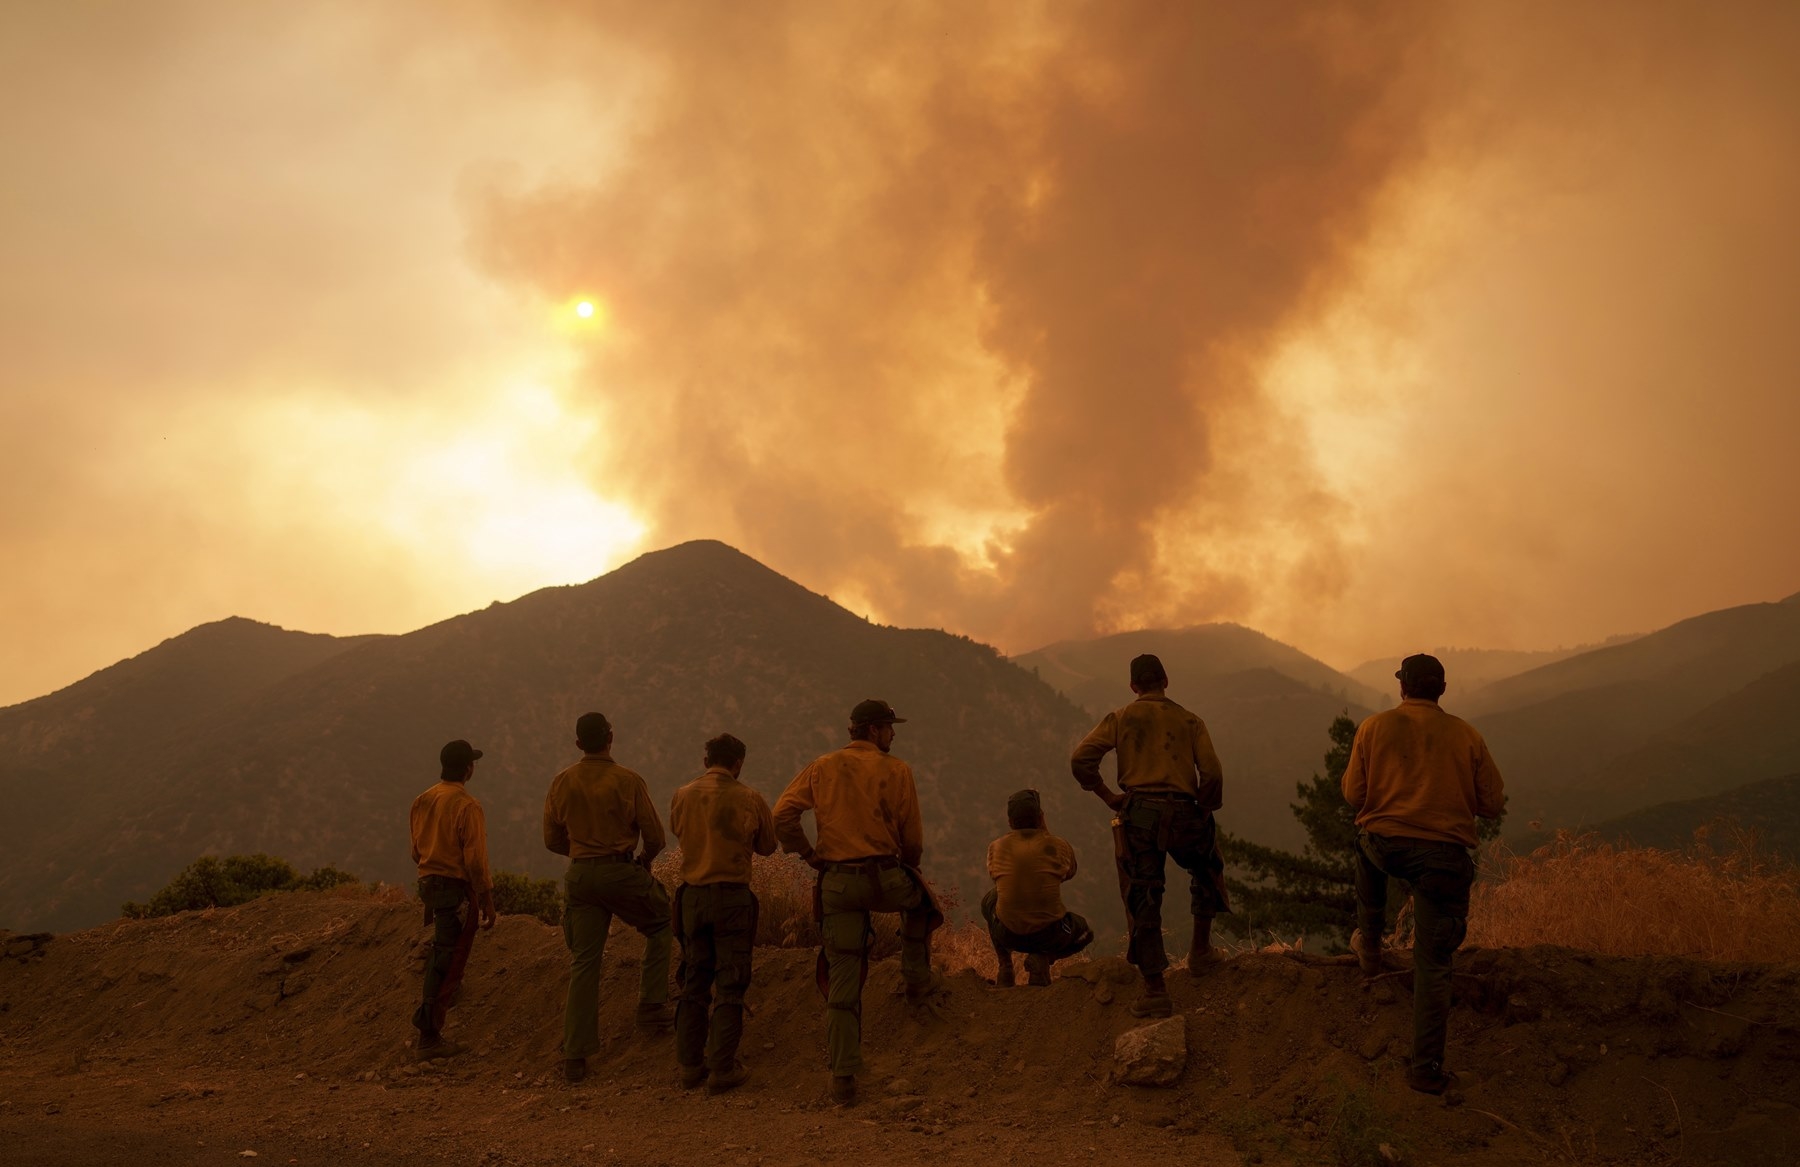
(282, 1025)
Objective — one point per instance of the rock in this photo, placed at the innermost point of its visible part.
(1521, 1008)
(1103, 993)
(1372, 1046)
(1310, 1129)
(1383, 992)
(1559, 1073)
(899, 1086)
(1152, 1055)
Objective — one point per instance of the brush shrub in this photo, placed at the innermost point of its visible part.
(521, 895)
(214, 882)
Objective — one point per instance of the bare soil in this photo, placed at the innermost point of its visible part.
(281, 1028)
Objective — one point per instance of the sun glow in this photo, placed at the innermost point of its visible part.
(584, 316)
(488, 500)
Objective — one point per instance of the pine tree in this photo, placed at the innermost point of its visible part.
(1313, 893)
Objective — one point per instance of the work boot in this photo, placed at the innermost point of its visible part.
(1201, 953)
(731, 1079)
(1368, 953)
(1006, 978)
(655, 1018)
(692, 1077)
(919, 994)
(574, 1069)
(435, 1045)
(1430, 1078)
(1154, 1002)
(1037, 970)
(843, 1089)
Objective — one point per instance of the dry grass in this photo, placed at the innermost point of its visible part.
(1720, 899)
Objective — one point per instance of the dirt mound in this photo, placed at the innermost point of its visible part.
(281, 1027)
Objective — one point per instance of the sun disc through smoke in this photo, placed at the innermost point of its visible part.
(585, 309)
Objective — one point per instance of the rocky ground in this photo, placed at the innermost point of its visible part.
(277, 1032)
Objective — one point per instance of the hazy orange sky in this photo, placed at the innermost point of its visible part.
(1372, 328)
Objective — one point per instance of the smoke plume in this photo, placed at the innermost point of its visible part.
(959, 313)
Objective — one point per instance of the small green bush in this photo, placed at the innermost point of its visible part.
(521, 895)
(212, 882)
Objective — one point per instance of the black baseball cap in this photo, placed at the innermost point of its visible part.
(873, 712)
(1420, 667)
(457, 754)
(1024, 804)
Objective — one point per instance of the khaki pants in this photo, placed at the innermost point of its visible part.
(598, 891)
(846, 897)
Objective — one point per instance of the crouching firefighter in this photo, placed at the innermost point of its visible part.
(1024, 910)
(1170, 784)
(871, 838)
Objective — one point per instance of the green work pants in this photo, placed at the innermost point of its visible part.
(1441, 875)
(596, 893)
(846, 897)
(453, 917)
(718, 930)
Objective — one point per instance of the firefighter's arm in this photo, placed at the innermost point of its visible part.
(556, 831)
(1356, 773)
(764, 841)
(912, 823)
(475, 863)
(1490, 791)
(1084, 763)
(795, 801)
(650, 828)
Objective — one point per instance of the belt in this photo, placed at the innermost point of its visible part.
(1163, 796)
(723, 885)
(444, 879)
(604, 859)
(863, 866)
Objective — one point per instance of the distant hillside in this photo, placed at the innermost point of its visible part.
(69, 754)
(1770, 808)
(318, 764)
(1600, 734)
(1267, 706)
(1471, 670)
(1092, 673)
(1752, 734)
(1707, 656)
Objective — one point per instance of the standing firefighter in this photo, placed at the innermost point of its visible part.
(1170, 785)
(449, 843)
(1418, 778)
(596, 813)
(1024, 910)
(870, 841)
(719, 823)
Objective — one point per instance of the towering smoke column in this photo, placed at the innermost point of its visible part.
(958, 313)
